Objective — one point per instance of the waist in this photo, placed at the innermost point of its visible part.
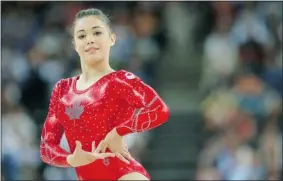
(100, 169)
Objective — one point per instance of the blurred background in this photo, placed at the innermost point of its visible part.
(218, 66)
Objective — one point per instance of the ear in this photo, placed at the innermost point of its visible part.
(113, 39)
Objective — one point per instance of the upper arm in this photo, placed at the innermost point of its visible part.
(133, 90)
(52, 130)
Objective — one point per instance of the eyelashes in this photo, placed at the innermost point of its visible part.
(98, 33)
(81, 36)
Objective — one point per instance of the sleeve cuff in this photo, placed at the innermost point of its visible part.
(122, 131)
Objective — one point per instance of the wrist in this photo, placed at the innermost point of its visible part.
(123, 131)
(69, 160)
(116, 133)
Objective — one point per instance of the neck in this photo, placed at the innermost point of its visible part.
(93, 71)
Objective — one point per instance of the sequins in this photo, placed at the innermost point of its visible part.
(119, 100)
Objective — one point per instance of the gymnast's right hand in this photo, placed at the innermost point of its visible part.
(81, 157)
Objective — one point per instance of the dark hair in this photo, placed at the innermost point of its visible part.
(92, 12)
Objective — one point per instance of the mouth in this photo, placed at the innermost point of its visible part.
(91, 49)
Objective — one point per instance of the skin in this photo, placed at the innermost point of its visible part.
(93, 41)
(91, 32)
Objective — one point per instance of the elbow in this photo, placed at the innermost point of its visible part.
(42, 153)
(165, 113)
(50, 155)
(43, 159)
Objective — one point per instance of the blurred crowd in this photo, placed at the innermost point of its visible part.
(37, 51)
(241, 78)
(242, 88)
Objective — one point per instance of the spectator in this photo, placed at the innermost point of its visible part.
(243, 113)
(220, 56)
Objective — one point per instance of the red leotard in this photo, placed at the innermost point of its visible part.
(119, 99)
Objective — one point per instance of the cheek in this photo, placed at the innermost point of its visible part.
(80, 48)
(105, 44)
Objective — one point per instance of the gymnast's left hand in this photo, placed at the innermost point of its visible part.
(116, 144)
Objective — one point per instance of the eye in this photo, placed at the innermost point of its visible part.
(97, 33)
(81, 36)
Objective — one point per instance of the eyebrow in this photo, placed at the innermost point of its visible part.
(92, 28)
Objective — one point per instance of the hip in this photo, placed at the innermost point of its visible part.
(109, 169)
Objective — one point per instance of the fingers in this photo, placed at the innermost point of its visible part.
(125, 149)
(119, 155)
(90, 156)
(93, 146)
(78, 146)
(101, 147)
(104, 148)
(102, 155)
(94, 156)
(105, 155)
(126, 146)
(126, 154)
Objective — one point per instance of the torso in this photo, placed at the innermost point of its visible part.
(87, 115)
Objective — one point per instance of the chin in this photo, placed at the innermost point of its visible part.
(93, 59)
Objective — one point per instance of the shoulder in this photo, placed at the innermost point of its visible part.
(126, 76)
(64, 83)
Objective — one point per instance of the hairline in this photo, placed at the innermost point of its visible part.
(102, 17)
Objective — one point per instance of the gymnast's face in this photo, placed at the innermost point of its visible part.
(92, 39)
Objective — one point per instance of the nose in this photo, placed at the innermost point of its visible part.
(90, 40)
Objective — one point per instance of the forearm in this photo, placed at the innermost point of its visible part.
(152, 115)
(53, 154)
(150, 111)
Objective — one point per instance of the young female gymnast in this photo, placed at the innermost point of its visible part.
(97, 108)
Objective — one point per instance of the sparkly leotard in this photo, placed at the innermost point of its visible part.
(119, 99)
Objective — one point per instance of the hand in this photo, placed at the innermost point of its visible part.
(116, 145)
(81, 157)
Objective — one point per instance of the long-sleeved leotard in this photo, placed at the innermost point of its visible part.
(51, 135)
(149, 110)
(118, 100)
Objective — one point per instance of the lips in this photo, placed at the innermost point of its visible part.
(90, 49)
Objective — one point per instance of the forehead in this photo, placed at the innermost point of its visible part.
(88, 22)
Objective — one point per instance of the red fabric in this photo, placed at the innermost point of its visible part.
(119, 99)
